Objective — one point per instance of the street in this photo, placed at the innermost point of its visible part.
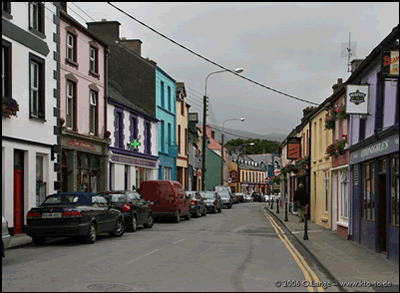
(237, 250)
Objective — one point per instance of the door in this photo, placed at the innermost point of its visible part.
(382, 213)
(18, 201)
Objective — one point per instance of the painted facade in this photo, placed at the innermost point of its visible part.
(374, 155)
(83, 107)
(182, 111)
(166, 114)
(195, 159)
(30, 140)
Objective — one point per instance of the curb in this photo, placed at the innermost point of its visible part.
(323, 268)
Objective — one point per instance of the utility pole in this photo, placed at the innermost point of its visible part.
(204, 144)
(222, 159)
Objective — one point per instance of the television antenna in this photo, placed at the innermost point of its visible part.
(348, 49)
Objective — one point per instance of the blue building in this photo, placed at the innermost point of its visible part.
(166, 114)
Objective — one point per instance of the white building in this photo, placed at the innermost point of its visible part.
(31, 73)
(134, 145)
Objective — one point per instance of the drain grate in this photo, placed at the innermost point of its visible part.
(107, 287)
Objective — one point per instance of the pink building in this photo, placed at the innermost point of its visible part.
(83, 81)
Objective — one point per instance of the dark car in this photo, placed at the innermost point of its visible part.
(257, 196)
(213, 201)
(226, 199)
(197, 204)
(135, 209)
(74, 214)
(240, 197)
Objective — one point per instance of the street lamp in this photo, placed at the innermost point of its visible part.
(222, 147)
(203, 167)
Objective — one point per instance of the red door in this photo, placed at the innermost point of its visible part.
(18, 216)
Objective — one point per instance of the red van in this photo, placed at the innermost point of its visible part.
(170, 200)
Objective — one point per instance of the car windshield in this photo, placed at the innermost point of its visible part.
(115, 197)
(224, 194)
(209, 195)
(65, 199)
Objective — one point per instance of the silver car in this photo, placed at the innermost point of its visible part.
(6, 237)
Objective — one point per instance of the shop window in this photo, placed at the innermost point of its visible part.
(368, 204)
(88, 172)
(394, 191)
(326, 190)
(40, 184)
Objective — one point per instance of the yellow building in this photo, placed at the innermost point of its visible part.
(320, 195)
(182, 135)
(233, 178)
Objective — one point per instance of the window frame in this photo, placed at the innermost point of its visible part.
(39, 30)
(96, 113)
(169, 97)
(6, 10)
(41, 111)
(6, 68)
(94, 71)
(162, 94)
(344, 195)
(71, 48)
(326, 190)
(74, 105)
(179, 139)
(368, 184)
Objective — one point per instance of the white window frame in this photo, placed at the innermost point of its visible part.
(326, 190)
(92, 115)
(34, 13)
(70, 99)
(3, 70)
(70, 47)
(35, 88)
(92, 59)
(344, 195)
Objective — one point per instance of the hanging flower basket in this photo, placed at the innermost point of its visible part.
(289, 168)
(337, 148)
(330, 119)
(340, 111)
(107, 134)
(10, 107)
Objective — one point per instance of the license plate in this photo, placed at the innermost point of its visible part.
(51, 215)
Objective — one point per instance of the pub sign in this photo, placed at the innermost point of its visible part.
(357, 96)
(294, 148)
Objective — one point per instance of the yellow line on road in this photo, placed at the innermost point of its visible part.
(296, 255)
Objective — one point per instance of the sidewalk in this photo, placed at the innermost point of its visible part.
(19, 240)
(345, 260)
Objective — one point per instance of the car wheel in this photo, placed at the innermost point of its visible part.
(133, 224)
(91, 234)
(120, 230)
(150, 223)
(177, 217)
(38, 240)
(188, 216)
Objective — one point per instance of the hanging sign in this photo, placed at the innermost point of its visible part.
(390, 62)
(357, 97)
(294, 148)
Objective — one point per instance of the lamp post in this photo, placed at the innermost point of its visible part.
(222, 147)
(203, 166)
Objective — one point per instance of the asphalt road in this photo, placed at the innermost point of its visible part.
(237, 250)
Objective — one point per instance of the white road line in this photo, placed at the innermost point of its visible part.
(179, 241)
(142, 256)
(240, 228)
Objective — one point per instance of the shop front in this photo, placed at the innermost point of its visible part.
(375, 196)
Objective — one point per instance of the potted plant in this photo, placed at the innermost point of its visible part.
(337, 148)
(107, 134)
(10, 107)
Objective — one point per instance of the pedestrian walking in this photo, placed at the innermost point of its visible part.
(301, 199)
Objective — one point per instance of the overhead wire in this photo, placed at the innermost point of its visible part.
(212, 62)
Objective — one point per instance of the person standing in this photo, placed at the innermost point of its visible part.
(301, 199)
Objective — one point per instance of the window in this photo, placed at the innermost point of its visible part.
(320, 133)
(368, 208)
(169, 134)
(36, 85)
(344, 195)
(88, 172)
(6, 68)
(167, 173)
(71, 105)
(71, 47)
(179, 138)
(119, 131)
(93, 60)
(93, 113)
(40, 184)
(169, 98)
(326, 189)
(162, 95)
(394, 191)
(186, 141)
(148, 137)
(162, 132)
(36, 17)
(134, 132)
(6, 7)
(183, 106)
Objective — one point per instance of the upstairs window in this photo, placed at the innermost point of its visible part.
(36, 16)
(93, 113)
(183, 107)
(148, 138)
(71, 105)
(179, 138)
(169, 134)
(169, 98)
(162, 95)
(6, 69)
(93, 60)
(71, 47)
(37, 87)
(6, 7)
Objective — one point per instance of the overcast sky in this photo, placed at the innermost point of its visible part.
(292, 47)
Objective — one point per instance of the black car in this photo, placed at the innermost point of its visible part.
(197, 204)
(74, 214)
(135, 209)
(226, 199)
(257, 196)
(213, 201)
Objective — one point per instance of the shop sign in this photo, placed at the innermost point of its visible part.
(80, 143)
(383, 147)
(390, 62)
(277, 172)
(294, 148)
(134, 161)
(357, 97)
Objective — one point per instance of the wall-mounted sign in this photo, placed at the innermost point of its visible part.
(294, 148)
(277, 172)
(81, 143)
(390, 62)
(357, 97)
(134, 161)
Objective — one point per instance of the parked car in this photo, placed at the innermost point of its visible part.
(197, 204)
(74, 214)
(240, 197)
(227, 201)
(5, 236)
(135, 209)
(170, 200)
(213, 201)
(227, 188)
(248, 198)
(257, 196)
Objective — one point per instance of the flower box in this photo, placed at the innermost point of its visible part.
(10, 107)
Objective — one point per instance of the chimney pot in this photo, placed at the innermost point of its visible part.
(103, 19)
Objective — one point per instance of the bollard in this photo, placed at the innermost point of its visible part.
(305, 236)
(277, 206)
(286, 217)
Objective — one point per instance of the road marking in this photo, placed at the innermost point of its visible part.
(298, 232)
(296, 255)
(142, 256)
(179, 241)
(240, 228)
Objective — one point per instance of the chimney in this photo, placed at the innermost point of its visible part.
(336, 86)
(151, 61)
(307, 111)
(135, 45)
(105, 30)
(63, 6)
(355, 63)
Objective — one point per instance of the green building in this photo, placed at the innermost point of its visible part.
(213, 170)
